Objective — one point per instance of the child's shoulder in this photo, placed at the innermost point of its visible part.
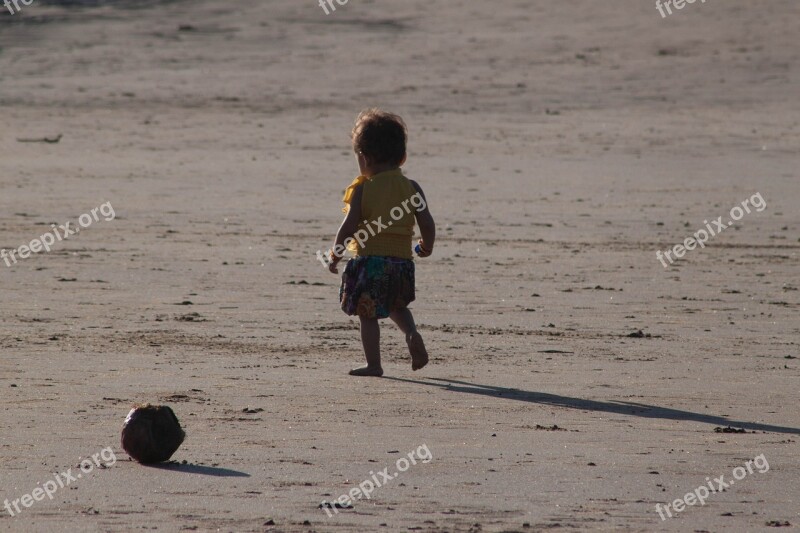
(414, 184)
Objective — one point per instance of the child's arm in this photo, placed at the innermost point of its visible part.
(347, 229)
(427, 227)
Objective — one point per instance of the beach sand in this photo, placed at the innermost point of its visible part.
(560, 144)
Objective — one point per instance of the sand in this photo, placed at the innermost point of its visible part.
(560, 144)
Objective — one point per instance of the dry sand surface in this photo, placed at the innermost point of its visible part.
(560, 143)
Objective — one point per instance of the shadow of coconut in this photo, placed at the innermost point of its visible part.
(199, 469)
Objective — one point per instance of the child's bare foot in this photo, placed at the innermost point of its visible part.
(419, 355)
(374, 371)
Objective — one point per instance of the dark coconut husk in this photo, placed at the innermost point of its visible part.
(151, 433)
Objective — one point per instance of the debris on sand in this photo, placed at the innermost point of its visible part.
(49, 140)
(334, 505)
(191, 317)
(730, 429)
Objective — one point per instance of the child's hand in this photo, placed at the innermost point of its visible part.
(422, 251)
(332, 268)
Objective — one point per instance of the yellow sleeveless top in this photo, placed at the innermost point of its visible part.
(388, 212)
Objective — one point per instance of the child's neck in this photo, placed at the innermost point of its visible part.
(377, 170)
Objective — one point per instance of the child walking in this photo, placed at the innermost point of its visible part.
(381, 208)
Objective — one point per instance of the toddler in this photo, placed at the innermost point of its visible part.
(381, 208)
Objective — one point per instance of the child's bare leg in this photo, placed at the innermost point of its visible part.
(371, 339)
(405, 321)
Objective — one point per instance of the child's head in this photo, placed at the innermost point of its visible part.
(379, 139)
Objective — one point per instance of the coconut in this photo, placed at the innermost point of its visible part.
(151, 433)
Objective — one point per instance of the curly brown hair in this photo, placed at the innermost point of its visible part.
(380, 136)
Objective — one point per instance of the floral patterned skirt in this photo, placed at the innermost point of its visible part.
(373, 286)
